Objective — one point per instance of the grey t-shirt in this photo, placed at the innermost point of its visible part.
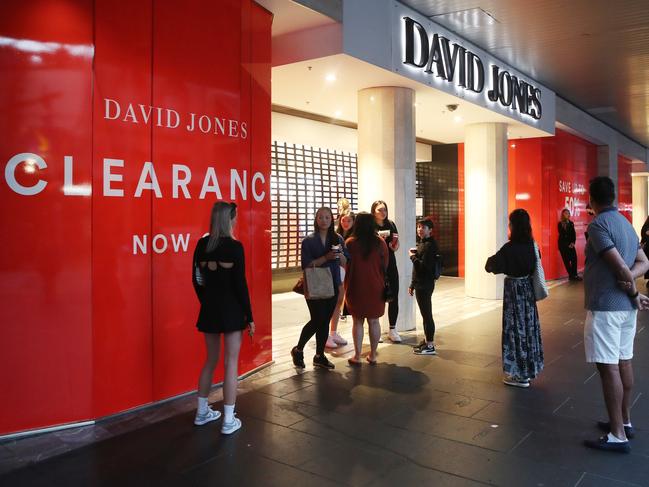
(608, 230)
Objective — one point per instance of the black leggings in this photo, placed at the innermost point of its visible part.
(393, 306)
(569, 257)
(426, 309)
(320, 311)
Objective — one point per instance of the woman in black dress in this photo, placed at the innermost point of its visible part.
(521, 339)
(387, 230)
(218, 275)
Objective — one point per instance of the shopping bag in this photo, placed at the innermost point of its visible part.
(538, 277)
(318, 283)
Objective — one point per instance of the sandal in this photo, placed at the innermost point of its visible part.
(371, 362)
(353, 363)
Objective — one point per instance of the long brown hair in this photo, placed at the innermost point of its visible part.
(220, 223)
(364, 232)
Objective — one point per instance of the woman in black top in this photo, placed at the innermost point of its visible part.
(388, 231)
(424, 260)
(219, 278)
(522, 348)
(567, 239)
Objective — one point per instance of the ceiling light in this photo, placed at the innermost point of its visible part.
(330, 77)
(372, 98)
(457, 119)
(338, 113)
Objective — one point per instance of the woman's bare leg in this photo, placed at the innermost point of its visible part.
(357, 332)
(375, 335)
(232, 342)
(213, 349)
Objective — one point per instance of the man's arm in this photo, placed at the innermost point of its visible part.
(625, 276)
(640, 265)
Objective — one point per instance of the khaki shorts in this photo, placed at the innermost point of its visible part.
(608, 336)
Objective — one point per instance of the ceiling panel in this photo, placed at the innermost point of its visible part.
(329, 87)
(593, 53)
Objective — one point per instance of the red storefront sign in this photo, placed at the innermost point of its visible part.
(122, 123)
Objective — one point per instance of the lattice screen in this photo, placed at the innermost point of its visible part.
(437, 184)
(302, 180)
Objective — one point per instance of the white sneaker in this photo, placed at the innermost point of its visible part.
(394, 336)
(331, 342)
(208, 417)
(516, 382)
(338, 339)
(229, 428)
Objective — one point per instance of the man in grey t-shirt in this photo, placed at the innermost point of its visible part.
(613, 261)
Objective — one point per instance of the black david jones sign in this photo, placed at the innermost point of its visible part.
(456, 64)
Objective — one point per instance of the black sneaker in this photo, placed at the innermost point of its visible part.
(298, 358)
(605, 445)
(323, 362)
(606, 426)
(424, 349)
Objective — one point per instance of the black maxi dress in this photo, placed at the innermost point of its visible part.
(222, 292)
(522, 347)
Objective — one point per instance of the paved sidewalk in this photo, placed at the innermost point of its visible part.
(446, 420)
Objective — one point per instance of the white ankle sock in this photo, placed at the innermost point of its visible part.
(628, 425)
(614, 439)
(228, 413)
(202, 405)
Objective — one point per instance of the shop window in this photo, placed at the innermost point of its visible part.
(299, 188)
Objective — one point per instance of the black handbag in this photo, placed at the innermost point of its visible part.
(388, 292)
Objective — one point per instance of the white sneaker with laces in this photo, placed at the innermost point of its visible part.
(338, 339)
(394, 336)
(229, 428)
(331, 342)
(208, 417)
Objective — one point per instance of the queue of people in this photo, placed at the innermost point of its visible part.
(360, 276)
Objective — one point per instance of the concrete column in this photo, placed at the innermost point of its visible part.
(386, 171)
(607, 162)
(640, 199)
(485, 203)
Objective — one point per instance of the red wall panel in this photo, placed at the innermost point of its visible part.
(45, 338)
(553, 173)
(259, 350)
(624, 187)
(97, 303)
(546, 175)
(121, 280)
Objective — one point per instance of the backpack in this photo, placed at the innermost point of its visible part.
(438, 267)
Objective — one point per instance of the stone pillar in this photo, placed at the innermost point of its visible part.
(386, 171)
(640, 199)
(607, 163)
(485, 203)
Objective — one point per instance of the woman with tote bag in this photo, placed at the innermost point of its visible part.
(323, 252)
(522, 348)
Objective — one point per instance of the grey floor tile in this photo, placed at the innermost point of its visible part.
(410, 474)
(591, 480)
(273, 409)
(467, 430)
(258, 471)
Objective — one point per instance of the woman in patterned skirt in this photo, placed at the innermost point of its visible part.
(521, 339)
